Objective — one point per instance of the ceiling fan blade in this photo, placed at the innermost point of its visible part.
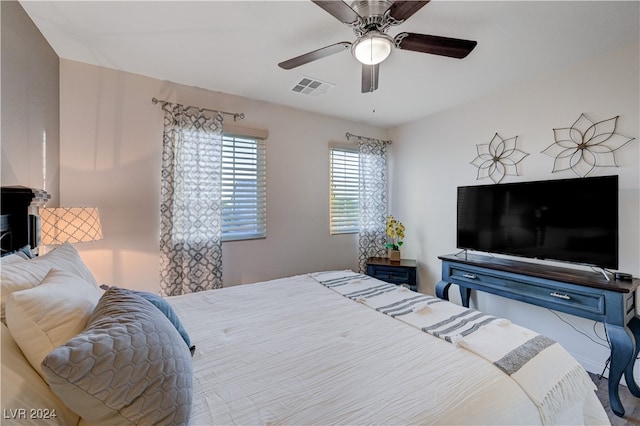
(401, 10)
(436, 45)
(339, 10)
(370, 75)
(315, 55)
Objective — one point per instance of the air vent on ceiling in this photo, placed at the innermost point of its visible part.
(312, 86)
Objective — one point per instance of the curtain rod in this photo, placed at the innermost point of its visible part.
(348, 135)
(236, 115)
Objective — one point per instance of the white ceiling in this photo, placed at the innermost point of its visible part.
(235, 46)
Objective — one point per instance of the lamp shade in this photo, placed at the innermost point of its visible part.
(372, 48)
(70, 225)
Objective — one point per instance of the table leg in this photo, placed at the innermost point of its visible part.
(465, 295)
(442, 290)
(623, 348)
(634, 326)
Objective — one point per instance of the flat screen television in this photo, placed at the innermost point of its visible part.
(570, 220)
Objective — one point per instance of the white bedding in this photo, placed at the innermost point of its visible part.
(291, 351)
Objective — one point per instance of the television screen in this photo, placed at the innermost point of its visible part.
(572, 220)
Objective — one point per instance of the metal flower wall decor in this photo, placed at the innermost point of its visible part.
(498, 158)
(586, 145)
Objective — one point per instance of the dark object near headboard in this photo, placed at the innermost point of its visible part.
(19, 219)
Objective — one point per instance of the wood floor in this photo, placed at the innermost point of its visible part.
(630, 403)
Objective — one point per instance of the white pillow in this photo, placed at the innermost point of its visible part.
(44, 317)
(22, 388)
(24, 275)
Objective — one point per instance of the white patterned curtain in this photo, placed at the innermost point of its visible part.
(190, 210)
(373, 199)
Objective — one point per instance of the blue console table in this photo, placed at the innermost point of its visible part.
(582, 293)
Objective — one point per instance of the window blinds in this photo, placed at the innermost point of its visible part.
(344, 193)
(244, 188)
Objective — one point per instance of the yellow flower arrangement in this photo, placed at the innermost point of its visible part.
(395, 231)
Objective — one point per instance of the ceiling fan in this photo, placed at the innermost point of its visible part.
(370, 21)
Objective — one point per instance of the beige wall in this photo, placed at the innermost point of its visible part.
(110, 157)
(601, 88)
(29, 134)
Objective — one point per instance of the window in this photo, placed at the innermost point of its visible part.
(344, 191)
(244, 188)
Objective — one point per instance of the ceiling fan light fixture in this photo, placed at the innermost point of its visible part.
(372, 48)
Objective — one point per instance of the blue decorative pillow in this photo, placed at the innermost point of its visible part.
(166, 309)
(25, 251)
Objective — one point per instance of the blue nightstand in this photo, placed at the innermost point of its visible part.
(402, 272)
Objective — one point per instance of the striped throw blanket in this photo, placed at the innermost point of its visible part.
(549, 375)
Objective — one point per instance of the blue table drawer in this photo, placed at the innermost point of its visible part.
(388, 274)
(548, 295)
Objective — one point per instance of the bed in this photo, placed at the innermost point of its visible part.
(332, 347)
